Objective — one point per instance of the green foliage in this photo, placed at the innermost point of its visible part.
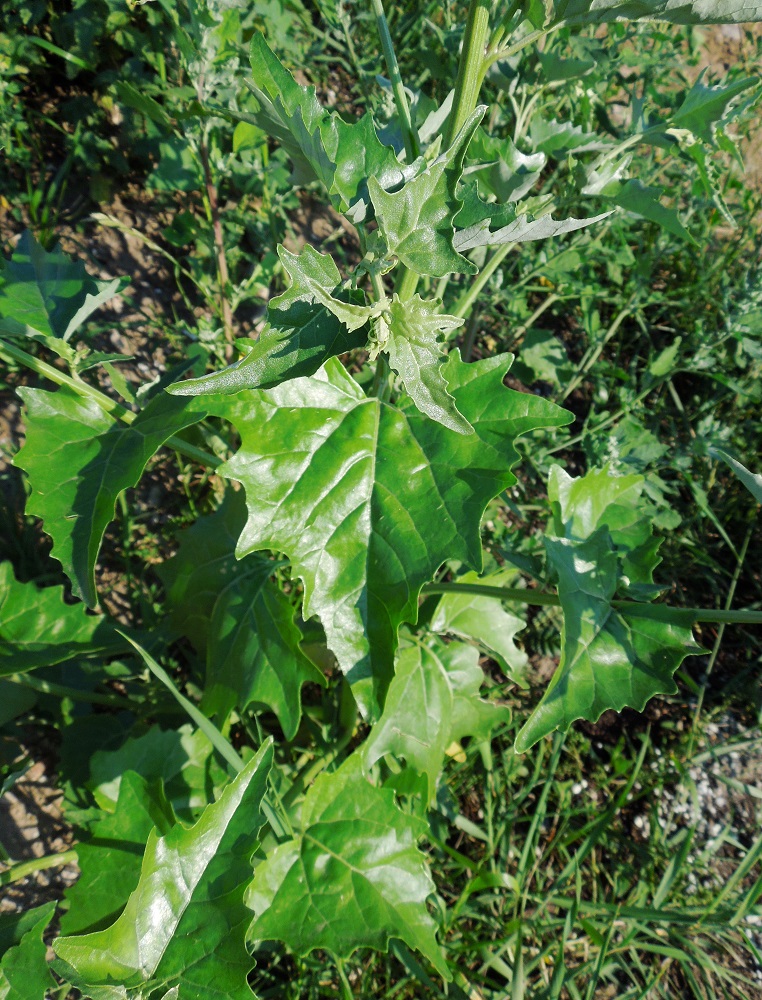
(348, 632)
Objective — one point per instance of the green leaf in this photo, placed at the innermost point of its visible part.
(368, 500)
(556, 139)
(253, 655)
(110, 861)
(37, 629)
(751, 480)
(433, 701)
(416, 350)
(522, 229)
(353, 878)
(610, 658)
(48, 293)
(323, 146)
(677, 11)
(470, 616)
(78, 460)
(185, 924)
(704, 106)
(542, 356)
(183, 759)
(312, 321)
(24, 971)
(502, 169)
(417, 220)
(636, 197)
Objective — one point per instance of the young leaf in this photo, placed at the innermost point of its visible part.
(501, 169)
(78, 460)
(704, 106)
(609, 658)
(677, 11)
(320, 143)
(417, 220)
(433, 701)
(185, 924)
(312, 321)
(109, 863)
(470, 616)
(37, 629)
(368, 500)
(253, 655)
(48, 292)
(24, 971)
(416, 350)
(353, 878)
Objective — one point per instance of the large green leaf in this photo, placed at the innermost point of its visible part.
(253, 656)
(78, 460)
(416, 221)
(677, 11)
(368, 499)
(312, 321)
(352, 878)
(433, 701)
(185, 924)
(610, 658)
(24, 972)
(416, 344)
(37, 629)
(48, 293)
(110, 861)
(472, 616)
(321, 144)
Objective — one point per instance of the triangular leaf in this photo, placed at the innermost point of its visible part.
(610, 658)
(417, 220)
(78, 460)
(416, 351)
(368, 500)
(253, 654)
(312, 321)
(185, 924)
(37, 629)
(636, 197)
(704, 106)
(523, 229)
(433, 701)
(354, 875)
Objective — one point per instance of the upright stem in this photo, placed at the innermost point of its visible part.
(219, 248)
(409, 132)
(471, 68)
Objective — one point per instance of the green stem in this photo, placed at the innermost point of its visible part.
(409, 133)
(62, 691)
(465, 303)
(659, 612)
(110, 406)
(24, 868)
(471, 68)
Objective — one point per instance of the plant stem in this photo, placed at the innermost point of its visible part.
(219, 247)
(465, 303)
(62, 691)
(24, 868)
(409, 132)
(110, 406)
(659, 612)
(471, 68)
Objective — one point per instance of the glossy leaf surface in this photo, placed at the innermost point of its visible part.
(433, 701)
(353, 878)
(24, 971)
(312, 321)
(609, 658)
(417, 220)
(185, 924)
(37, 629)
(368, 500)
(78, 460)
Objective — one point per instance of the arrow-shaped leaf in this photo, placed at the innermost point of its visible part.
(185, 924)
